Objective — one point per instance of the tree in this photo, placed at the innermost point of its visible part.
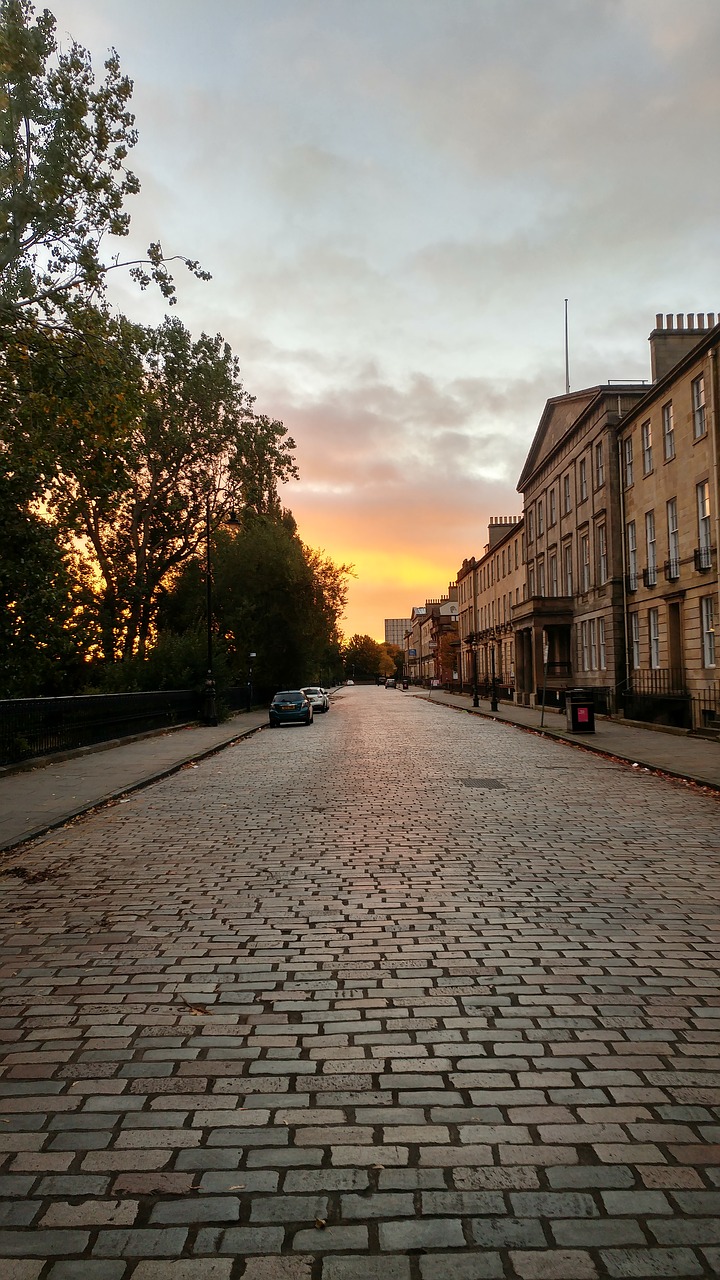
(362, 657)
(391, 660)
(270, 597)
(64, 145)
(138, 435)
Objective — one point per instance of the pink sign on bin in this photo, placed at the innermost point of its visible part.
(582, 715)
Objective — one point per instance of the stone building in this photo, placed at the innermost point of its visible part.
(499, 587)
(670, 515)
(568, 628)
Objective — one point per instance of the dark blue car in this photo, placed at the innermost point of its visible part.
(290, 706)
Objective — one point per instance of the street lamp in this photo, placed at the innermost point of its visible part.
(249, 683)
(209, 699)
(493, 691)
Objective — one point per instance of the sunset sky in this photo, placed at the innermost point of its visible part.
(394, 198)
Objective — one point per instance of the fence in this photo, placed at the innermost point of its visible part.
(32, 727)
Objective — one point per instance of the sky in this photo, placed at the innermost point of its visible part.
(394, 198)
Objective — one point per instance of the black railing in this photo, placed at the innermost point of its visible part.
(703, 559)
(672, 570)
(706, 706)
(659, 680)
(631, 582)
(650, 576)
(32, 727)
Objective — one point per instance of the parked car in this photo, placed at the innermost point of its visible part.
(290, 706)
(390, 683)
(317, 696)
(349, 681)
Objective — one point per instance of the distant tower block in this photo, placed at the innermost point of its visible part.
(395, 629)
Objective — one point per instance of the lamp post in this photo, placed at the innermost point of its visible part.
(249, 682)
(209, 700)
(493, 691)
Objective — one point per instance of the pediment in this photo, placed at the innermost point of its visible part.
(559, 416)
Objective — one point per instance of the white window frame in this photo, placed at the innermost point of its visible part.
(593, 645)
(552, 507)
(647, 456)
(541, 577)
(584, 648)
(585, 562)
(654, 638)
(602, 554)
(568, 569)
(631, 536)
(583, 479)
(567, 500)
(553, 573)
(531, 525)
(703, 509)
(628, 465)
(601, 644)
(635, 640)
(673, 540)
(697, 387)
(707, 627)
(599, 465)
(651, 546)
(668, 431)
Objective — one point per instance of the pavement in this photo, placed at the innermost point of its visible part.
(670, 751)
(36, 800)
(55, 791)
(402, 996)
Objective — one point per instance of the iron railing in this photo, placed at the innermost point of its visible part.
(659, 680)
(706, 705)
(32, 727)
(703, 559)
(672, 570)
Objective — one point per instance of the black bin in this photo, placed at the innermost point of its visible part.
(580, 711)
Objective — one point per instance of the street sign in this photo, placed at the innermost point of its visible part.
(412, 653)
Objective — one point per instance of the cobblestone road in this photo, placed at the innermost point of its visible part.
(406, 995)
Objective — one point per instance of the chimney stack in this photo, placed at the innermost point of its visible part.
(672, 340)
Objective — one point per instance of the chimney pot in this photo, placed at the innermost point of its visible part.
(680, 320)
(711, 319)
(691, 319)
(658, 320)
(668, 322)
(701, 320)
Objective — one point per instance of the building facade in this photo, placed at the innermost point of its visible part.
(668, 447)
(395, 629)
(500, 587)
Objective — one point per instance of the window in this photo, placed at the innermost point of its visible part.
(599, 465)
(707, 615)
(698, 407)
(628, 460)
(704, 552)
(516, 553)
(593, 644)
(503, 564)
(568, 569)
(673, 567)
(553, 574)
(601, 643)
(531, 525)
(583, 480)
(668, 432)
(635, 639)
(654, 634)
(540, 519)
(632, 556)
(566, 495)
(602, 554)
(531, 579)
(541, 577)
(585, 650)
(651, 571)
(552, 508)
(646, 435)
(585, 562)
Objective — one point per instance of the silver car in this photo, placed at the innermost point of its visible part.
(317, 697)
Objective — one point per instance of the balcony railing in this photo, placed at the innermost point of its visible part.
(659, 680)
(703, 559)
(672, 570)
(631, 581)
(650, 576)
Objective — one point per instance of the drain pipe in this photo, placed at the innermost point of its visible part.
(621, 487)
(714, 439)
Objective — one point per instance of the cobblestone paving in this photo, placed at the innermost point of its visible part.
(405, 995)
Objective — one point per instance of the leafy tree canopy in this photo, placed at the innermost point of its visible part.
(64, 177)
(362, 657)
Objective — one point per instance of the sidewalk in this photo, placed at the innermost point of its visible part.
(35, 800)
(693, 759)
